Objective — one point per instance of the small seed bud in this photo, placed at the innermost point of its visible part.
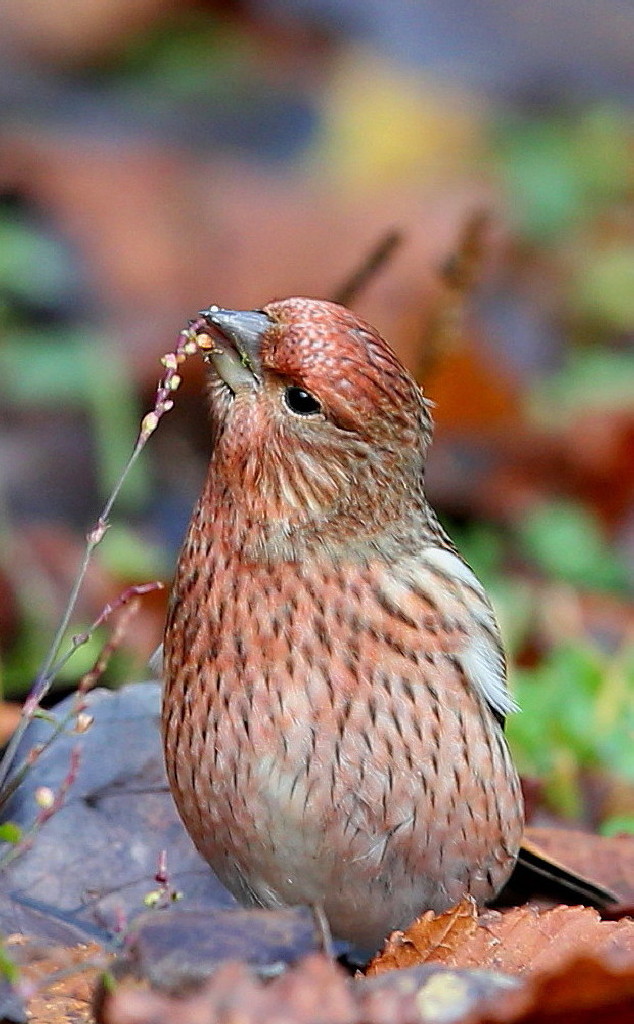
(44, 797)
(205, 341)
(149, 423)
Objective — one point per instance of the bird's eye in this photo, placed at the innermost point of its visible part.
(301, 402)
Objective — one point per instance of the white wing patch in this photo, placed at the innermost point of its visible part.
(155, 662)
(484, 668)
(451, 565)
(481, 658)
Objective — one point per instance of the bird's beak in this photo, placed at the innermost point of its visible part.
(236, 335)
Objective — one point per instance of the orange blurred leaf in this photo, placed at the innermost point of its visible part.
(523, 940)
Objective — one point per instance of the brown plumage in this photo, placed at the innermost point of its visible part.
(334, 678)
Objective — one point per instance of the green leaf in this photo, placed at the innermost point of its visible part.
(602, 144)
(577, 712)
(128, 555)
(564, 540)
(33, 267)
(10, 833)
(541, 174)
(593, 379)
(618, 824)
(8, 969)
(480, 545)
(605, 287)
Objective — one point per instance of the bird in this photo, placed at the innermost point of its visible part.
(335, 684)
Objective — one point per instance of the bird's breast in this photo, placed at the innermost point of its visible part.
(318, 716)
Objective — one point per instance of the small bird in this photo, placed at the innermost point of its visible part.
(335, 684)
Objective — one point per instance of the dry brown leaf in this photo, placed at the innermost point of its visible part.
(471, 393)
(431, 937)
(584, 990)
(523, 940)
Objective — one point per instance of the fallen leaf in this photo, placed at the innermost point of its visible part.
(431, 937)
(523, 940)
(317, 990)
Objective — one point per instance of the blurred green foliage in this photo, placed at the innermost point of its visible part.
(618, 824)
(577, 704)
(605, 287)
(577, 715)
(79, 368)
(10, 833)
(21, 666)
(563, 540)
(562, 166)
(594, 378)
(33, 266)
(9, 971)
(188, 55)
(180, 54)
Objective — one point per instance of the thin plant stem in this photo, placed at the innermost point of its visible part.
(93, 539)
(87, 681)
(186, 345)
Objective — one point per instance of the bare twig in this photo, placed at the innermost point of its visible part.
(82, 638)
(461, 269)
(377, 258)
(458, 276)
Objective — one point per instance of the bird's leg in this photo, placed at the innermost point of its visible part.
(323, 930)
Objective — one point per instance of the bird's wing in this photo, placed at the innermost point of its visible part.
(155, 662)
(443, 594)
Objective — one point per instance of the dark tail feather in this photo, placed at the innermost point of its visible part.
(537, 874)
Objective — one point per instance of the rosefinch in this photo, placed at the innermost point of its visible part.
(335, 682)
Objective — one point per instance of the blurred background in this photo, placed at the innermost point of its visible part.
(159, 156)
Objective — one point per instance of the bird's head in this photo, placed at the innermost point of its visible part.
(314, 418)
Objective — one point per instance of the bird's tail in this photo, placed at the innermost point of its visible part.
(538, 874)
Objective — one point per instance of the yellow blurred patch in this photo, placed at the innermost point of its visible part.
(384, 125)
